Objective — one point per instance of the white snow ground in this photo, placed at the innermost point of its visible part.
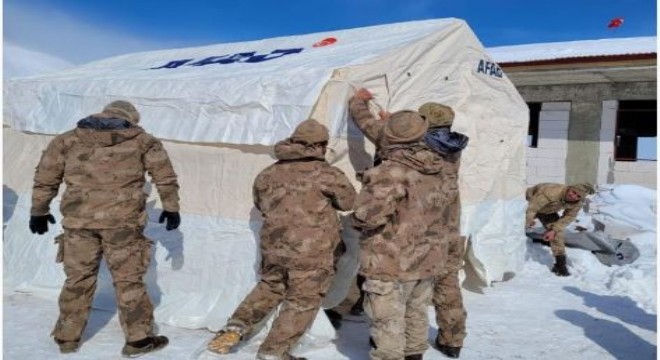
(597, 313)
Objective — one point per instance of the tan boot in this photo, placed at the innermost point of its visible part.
(224, 341)
(67, 347)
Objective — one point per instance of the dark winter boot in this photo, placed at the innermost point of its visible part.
(449, 351)
(67, 347)
(357, 309)
(560, 266)
(149, 344)
(413, 357)
(334, 317)
(279, 357)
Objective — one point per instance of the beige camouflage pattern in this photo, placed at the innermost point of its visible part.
(447, 297)
(398, 319)
(104, 176)
(299, 291)
(298, 197)
(103, 209)
(544, 202)
(450, 312)
(558, 245)
(128, 254)
(401, 210)
(371, 127)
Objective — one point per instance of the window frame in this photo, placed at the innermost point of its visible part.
(622, 116)
(533, 127)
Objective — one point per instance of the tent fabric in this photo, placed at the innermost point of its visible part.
(198, 275)
(608, 250)
(251, 100)
(218, 121)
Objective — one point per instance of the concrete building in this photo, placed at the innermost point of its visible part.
(593, 109)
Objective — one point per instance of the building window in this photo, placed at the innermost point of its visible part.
(636, 131)
(533, 130)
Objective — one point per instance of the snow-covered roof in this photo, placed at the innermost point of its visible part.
(574, 49)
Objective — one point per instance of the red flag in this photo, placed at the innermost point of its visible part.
(615, 23)
(325, 42)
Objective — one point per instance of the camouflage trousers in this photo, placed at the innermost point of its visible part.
(558, 245)
(127, 253)
(299, 291)
(450, 314)
(398, 317)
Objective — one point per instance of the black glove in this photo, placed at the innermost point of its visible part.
(39, 224)
(173, 219)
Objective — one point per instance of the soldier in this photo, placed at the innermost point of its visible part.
(372, 129)
(103, 163)
(450, 313)
(447, 298)
(399, 212)
(545, 200)
(298, 197)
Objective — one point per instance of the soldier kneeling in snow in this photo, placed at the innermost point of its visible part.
(545, 200)
(297, 196)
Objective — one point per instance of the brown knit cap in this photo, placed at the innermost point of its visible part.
(405, 126)
(311, 132)
(123, 110)
(437, 114)
(584, 189)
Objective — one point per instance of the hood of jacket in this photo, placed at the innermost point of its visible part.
(445, 142)
(416, 156)
(102, 131)
(287, 149)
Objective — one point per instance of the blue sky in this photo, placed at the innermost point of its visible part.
(83, 30)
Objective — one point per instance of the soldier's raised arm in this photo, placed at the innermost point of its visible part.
(358, 108)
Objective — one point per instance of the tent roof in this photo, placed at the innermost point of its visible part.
(352, 46)
(241, 93)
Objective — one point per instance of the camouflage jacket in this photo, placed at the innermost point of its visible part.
(298, 197)
(371, 127)
(402, 213)
(548, 198)
(103, 163)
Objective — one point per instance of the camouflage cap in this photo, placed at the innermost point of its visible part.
(311, 132)
(123, 110)
(405, 126)
(437, 114)
(584, 189)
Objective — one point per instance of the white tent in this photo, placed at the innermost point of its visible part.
(220, 108)
(19, 61)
